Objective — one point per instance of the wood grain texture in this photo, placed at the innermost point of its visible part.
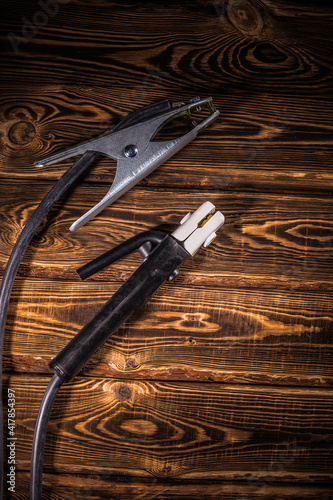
(69, 487)
(183, 333)
(219, 387)
(286, 239)
(260, 141)
(186, 430)
(237, 44)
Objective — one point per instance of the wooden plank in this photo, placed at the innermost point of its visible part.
(73, 486)
(241, 45)
(284, 240)
(252, 308)
(261, 141)
(179, 430)
(183, 333)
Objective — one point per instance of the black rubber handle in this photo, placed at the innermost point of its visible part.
(153, 272)
(143, 114)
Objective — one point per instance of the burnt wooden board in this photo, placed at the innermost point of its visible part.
(179, 430)
(73, 486)
(285, 239)
(183, 333)
(275, 46)
(261, 141)
(219, 387)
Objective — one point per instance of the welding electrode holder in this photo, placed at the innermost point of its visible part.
(168, 252)
(133, 294)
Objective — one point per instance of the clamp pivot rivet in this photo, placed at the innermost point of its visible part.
(131, 150)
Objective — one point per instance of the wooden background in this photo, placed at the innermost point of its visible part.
(220, 387)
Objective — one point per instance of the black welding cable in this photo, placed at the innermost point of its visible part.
(36, 469)
(69, 177)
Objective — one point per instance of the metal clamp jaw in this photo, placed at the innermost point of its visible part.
(131, 144)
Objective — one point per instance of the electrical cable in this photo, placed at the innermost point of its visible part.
(68, 178)
(37, 454)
